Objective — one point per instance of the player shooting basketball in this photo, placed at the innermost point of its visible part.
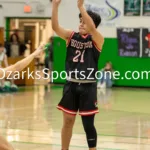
(80, 91)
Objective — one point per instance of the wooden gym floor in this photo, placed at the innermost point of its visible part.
(29, 119)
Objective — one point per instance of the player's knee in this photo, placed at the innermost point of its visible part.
(68, 123)
(88, 128)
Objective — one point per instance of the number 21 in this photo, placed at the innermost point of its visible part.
(79, 53)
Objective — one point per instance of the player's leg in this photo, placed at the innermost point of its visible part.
(12, 80)
(66, 134)
(2, 83)
(46, 66)
(69, 106)
(88, 109)
(51, 69)
(89, 128)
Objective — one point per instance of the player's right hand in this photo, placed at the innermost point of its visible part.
(80, 3)
(57, 2)
(38, 51)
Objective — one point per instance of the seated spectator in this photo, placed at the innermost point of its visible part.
(106, 79)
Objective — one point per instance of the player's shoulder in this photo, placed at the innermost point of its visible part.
(73, 35)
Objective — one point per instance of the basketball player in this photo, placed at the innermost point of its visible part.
(3, 59)
(80, 91)
(4, 145)
(20, 65)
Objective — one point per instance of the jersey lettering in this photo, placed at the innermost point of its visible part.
(80, 45)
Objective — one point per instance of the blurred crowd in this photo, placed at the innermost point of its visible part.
(15, 48)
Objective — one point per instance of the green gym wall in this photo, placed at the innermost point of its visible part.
(109, 53)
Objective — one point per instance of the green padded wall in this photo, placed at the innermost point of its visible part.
(7, 28)
(59, 58)
(109, 53)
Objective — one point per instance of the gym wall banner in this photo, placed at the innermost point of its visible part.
(111, 11)
(146, 7)
(132, 7)
(145, 42)
(128, 42)
(134, 42)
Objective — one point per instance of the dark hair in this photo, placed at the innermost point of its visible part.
(51, 38)
(95, 17)
(1, 45)
(11, 38)
(110, 63)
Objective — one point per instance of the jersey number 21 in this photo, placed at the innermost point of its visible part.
(78, 54)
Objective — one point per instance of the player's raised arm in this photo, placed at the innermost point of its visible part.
(63, 33)
(20, 65)
(92, 23)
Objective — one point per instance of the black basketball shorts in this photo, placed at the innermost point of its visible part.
(79, 97)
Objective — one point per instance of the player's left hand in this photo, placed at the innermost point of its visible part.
(80, 3)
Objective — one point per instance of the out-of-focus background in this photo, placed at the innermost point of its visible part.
(29, 118)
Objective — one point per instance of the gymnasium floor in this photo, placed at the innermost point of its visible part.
(30, 121)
